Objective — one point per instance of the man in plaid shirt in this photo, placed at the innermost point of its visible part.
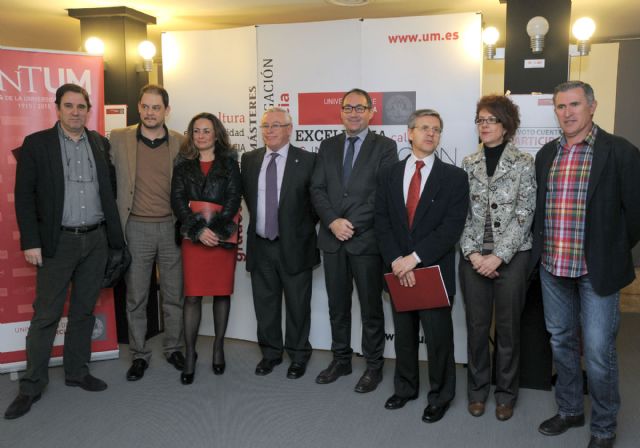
(587, 221)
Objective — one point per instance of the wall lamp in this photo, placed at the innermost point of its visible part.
(537, 29)
(94, 46)
(583, 29)
(490, 36)
(147, 51)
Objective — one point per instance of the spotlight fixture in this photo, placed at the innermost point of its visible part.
(537, 29)
(147, 51)
(583, 29)
(94, 46)
(490, 36)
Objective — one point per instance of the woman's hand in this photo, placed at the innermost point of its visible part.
(208, 238)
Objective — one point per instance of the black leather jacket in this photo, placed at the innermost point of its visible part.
(222, 185)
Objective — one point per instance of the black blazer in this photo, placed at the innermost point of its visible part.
(438, 222)
(296, 219)
(612, 218)
(39, 190)
(221, 185)
(354, 201)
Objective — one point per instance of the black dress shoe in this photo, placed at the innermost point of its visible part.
(434, 413)
(559, 424)
(333, 372)
(369, 381)
(136, 371)
(265, 366)
(218, 369)
(20, 406)
(597, 442)
(89, 382)
(187, 378)
(397, 402)
(296, 370)
(176, 359)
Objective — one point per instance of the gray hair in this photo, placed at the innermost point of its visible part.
(279, 109)
(569, 85)
(424, 113)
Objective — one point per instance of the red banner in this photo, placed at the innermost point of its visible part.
(28, 82)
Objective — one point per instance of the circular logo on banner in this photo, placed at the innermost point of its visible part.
(397, 109)
(98, 329)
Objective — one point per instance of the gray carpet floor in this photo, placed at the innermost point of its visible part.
(240, 409)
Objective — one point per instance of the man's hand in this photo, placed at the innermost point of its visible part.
(342, 229)
(209, 238)
(408, 280)
(404, 265)
(33, 256)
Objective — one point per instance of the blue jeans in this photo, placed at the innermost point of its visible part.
(571, 303)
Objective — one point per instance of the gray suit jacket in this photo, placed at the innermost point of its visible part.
(355, 201)
(296, 219)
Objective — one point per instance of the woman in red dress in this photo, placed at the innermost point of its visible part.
(205, 197)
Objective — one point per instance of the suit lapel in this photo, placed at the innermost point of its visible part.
(397, 193)
(504, 164)
(131, 144)
(431, 189)
(54, 154)
(254, 174)
(601, 152)
(339, 160)
(289, 171)
(364, 155)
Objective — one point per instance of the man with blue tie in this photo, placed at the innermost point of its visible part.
(343, 192)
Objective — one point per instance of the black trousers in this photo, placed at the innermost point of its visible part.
(269, 280)
(438, 333)
(340, 271)
(79, 261)
(506, 294)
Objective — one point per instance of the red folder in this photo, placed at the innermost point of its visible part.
(428, 292)
(208, 210)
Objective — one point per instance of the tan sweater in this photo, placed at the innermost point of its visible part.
(151, 198)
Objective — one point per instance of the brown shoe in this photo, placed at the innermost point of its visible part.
(476, 408)
(504, 412)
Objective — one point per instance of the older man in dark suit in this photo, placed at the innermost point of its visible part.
(343, 193)
(281, 242)
(421, 207)
(67, 216)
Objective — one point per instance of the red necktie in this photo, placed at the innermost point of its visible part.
(413, 196)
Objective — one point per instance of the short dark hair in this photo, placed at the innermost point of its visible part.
(158, 90)
(222, 146)
(504, 110)
(64, 88)
(361, 93)
(569, 85)
(423, 113)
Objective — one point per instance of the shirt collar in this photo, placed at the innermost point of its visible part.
(155, 142)
(428, 161)
(63, 134)
(589, 139)
(282, 152)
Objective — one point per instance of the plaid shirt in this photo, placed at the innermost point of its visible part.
(566, 203)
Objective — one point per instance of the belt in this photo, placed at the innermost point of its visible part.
(82, 229)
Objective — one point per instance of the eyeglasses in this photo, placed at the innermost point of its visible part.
(425, 129)
(490, 120)
(360, 109)
(267, 127)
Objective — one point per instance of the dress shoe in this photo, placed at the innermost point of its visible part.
(218, 369)
(296, 370)
(20, 406)
(397, 402)
(136, 371)
(265, 366)
(369, 381)
(176, 359)
(559, 424)
(187, 378)
(333, 372)
(597, 442)
(89, 382)
(476, 408)
(432, 413)
(504, 411)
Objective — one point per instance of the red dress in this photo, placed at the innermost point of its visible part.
(208, 271)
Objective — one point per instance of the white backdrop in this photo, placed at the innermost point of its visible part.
(405, 63)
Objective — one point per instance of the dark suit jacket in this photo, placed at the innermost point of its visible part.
(438, 222)
(39, 191)
(356, 201)
(296, 219)
(612, 218)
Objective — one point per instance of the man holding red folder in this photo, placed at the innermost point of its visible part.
(420, 211)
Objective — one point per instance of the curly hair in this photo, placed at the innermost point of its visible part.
(504, 110)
